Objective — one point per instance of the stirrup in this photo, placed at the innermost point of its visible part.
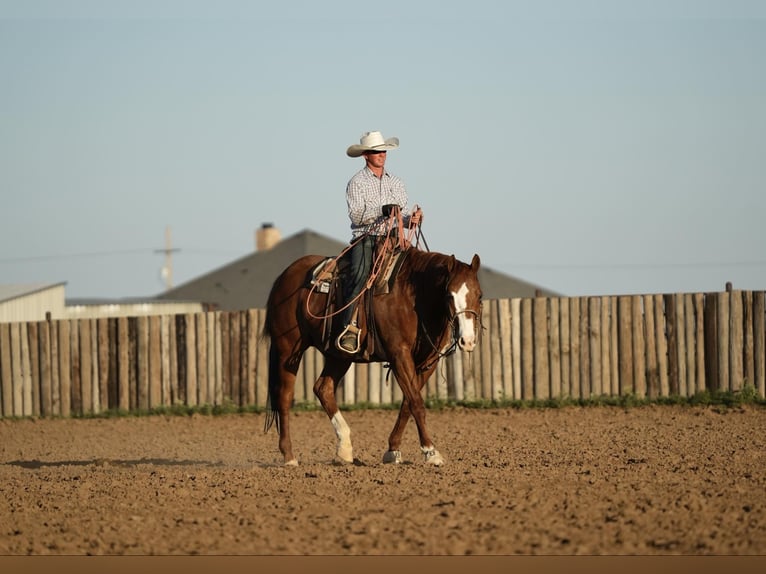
(348, 332)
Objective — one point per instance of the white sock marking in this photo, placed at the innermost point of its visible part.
(343, 432)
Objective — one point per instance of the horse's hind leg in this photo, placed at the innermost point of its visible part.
(285, 402)
(324, 389)
(284, 357)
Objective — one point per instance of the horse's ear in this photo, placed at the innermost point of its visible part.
(451, 263)
(475, 262)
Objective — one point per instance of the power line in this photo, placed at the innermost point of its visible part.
(541, 266)
(74, 255)
(147, 250)
(607, 266)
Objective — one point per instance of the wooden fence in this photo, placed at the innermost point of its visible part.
(532, 348)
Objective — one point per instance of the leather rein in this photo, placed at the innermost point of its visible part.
(436, 354)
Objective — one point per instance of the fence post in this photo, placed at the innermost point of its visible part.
(711, 342)
(749, 349)
(736, 341)
(671, 324)
(574, 347)
(527, 350)
(191, 362)
(143, 363)
(606, 366)
(541, 354)
(234, 352)
(495, 359)
(252, 342)
(625, 315)
(6, 374)
(723, 324)
(516, 347)
(484, 348)
(594, 344)
(555, 347)
(585, 381)
(104, 363)
(74, 342)
(639, 347)
(652, 369)
(155, 362)
(759, 342)
(55, 369)
(699, 336)
(65, 368)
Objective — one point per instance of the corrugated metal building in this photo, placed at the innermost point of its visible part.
(95, 308)
(31, 302)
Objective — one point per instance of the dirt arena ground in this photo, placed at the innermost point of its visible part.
(657, 480)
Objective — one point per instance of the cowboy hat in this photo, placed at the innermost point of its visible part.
(372, 141)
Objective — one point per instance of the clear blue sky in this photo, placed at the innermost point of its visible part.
(590, 147)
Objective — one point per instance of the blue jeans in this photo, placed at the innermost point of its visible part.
(361, 255)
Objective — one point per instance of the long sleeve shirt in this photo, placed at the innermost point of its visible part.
(366, 194)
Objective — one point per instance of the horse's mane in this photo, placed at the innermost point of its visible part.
(424, 260)
(427, 271)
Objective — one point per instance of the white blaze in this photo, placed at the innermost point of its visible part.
(465, 321)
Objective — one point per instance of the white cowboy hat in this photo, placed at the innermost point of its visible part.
(372, 141)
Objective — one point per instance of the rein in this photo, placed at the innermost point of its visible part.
(436, 354)
(386, 246)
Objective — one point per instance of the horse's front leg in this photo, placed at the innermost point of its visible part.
(394, 453)
(412, 405)
(324, 389)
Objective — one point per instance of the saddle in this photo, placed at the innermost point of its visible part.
(327, 277)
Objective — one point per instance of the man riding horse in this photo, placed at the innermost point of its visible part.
(370, 194)
(426, 306)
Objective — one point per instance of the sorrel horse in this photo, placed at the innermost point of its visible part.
(433, 306)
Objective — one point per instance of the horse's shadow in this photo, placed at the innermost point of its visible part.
(38, 464)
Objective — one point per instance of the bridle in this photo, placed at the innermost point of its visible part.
(437, 353)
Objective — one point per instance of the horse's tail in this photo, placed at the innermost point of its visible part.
(273, 390)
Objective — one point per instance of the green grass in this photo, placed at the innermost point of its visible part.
(719, 399)
(747, 396)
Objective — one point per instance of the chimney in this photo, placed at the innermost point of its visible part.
(266, 237)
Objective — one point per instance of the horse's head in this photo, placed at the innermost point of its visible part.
(464, 295)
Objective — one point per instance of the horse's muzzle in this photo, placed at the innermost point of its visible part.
(466, 344)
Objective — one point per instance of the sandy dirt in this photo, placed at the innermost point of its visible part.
(599, 480)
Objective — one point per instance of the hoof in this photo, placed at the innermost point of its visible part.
(392, 457)
(293, 462)
(345, 455)
(338, 461)
(433, 457)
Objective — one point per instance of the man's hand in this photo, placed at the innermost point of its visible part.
(388, 209)
(417, 217)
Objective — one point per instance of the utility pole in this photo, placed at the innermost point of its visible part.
(167, 270)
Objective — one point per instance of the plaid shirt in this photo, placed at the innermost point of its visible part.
(366, 194)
